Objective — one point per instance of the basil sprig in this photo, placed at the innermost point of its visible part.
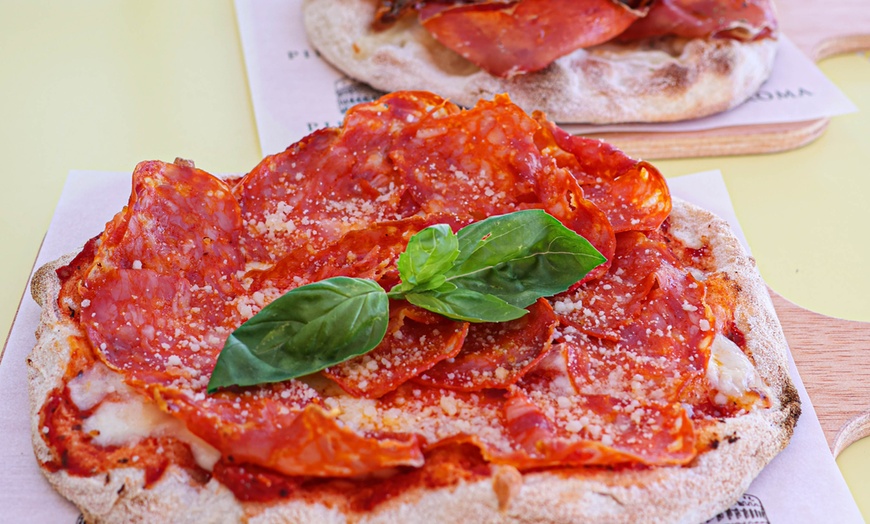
(487, 272)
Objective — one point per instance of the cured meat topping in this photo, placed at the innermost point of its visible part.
(591, 377)
(506, 38)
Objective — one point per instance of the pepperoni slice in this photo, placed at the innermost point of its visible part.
(636, 200)
(322, 447)
(496, 355)
(284, 430)
(274, 193)
(665, 345)
(480, 162)
(444, 466)
(510, 38)
(157, 301)
(541, 443)
(555, 426)
(589, 160)
(246, 425)
(332, 182)
(586, 435)
(157, 328)
(633, 195)
(600, 307)
(416, 340)
(179, 220)
(563, 198)
(738, 19)
(364, 253)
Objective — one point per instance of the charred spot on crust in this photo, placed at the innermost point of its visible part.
(721, 62)
(674, 77)
(791, 405)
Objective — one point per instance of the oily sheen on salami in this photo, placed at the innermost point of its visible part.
(644, 377)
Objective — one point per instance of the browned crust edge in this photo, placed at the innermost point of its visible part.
(712, 483)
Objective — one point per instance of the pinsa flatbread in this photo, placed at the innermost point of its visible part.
(644, 79)
(578, 410)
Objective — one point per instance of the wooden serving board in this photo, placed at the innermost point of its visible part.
(833, 358)
(819, 29)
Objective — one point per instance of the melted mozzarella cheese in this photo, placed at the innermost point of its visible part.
(91, 386)
(731, 373)
(127, 418)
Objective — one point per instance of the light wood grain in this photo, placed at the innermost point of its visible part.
(833, 358)
(737, 140)
(819, 29)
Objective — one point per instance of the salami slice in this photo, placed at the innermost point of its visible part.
(157, 300)
(496, 355)
(633, 195)
(305, 441)
(332, 182)
(179, 220)
(665, 345)
(480, 162)
(416, 340)
(364, 253)
(604, 429)
(562, 197)
(510, 38)
(369, 253)
(602, 306)
(738, 19)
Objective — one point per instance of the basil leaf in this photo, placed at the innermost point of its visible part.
(488, 272)
(436, 282)
(466, 305)
(305, 330)
(521, 256)
(430, 253)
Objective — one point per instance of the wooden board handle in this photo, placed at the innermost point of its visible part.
(833, 358)
(823, 29)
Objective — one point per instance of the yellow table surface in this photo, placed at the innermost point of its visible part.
(104, 84)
